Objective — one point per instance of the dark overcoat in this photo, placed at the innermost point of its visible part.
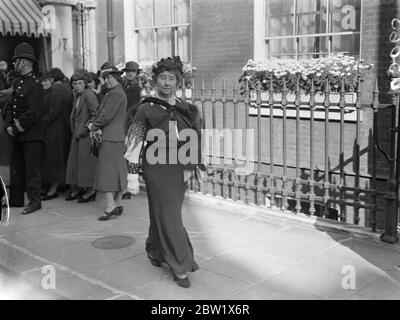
(81, 165)
(6, 141)
(132, 90)
(57, 102)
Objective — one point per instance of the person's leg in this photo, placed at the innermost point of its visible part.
(33, 154)
(53, 188)
(17, 176)
(118, 199)
(89, 195)
(110, 201)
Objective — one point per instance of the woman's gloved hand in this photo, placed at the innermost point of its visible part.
(133, 184)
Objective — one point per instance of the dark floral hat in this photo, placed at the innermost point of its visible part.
(168, 64)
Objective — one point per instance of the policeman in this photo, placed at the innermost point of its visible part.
(23, 123)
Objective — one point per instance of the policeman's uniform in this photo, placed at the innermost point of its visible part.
(24, 116)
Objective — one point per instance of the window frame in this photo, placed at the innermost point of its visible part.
(132, 32)
(261, 47)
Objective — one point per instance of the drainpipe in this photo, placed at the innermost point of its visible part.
(110, 32)
(82, 23)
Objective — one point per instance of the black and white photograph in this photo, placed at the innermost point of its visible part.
(208, 153)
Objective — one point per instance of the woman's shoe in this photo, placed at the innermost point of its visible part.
(115, 212)
(92, 197)
(49, 197)
(182, 282)
(121, 209)
(127, 196)
(75, 196)
(154, 261)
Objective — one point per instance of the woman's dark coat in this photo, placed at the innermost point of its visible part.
(58, 104)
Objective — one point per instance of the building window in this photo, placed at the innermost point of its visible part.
(311, 28)
(161, 29)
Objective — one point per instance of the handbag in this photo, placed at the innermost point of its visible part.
(95, 145)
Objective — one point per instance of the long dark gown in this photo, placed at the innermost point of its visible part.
(168, 240)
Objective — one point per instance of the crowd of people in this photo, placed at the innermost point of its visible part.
(89, 133)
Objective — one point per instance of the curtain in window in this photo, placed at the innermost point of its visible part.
(159, 41)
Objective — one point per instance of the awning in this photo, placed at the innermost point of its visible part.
(21, 17)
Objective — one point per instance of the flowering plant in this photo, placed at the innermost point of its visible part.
(332, 69)
(146, 74)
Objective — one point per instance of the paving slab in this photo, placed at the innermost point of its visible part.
(13, 288)
(206, 285)
(215, 242)
(19, 222)
(273, 289)
(198, 219)
(384, 288)
(71, 287)
(130, 274)
(323, 276)
(246, 265)
(383, 256)
(16, 260)
(75, 252)
(296, 243)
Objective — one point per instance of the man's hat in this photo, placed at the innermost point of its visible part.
(24, 51)
(81, 75)
(131, 66)
(111, 70)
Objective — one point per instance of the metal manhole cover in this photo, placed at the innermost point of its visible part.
(113, 242)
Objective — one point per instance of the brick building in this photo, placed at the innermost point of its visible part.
(219, 37)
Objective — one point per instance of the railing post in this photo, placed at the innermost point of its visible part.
(284, 102)
(204, 185)
(311, 195)
(391, 196)
(271, 143)
(375, 107)
(326, 196)
(235, 142)
(259, 177)
(298, 177)
(342, 105)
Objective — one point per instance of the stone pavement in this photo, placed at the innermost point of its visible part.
(241, 256)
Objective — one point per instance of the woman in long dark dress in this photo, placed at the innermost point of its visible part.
(168, 241)
(81, 165)
(57, 100)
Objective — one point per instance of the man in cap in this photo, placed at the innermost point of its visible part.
(132, 90)
(23, 123)
(131, 84)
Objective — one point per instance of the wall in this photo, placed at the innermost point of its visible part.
(222, 37)
(118, 26)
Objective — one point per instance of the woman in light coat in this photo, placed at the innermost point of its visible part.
(111, 174)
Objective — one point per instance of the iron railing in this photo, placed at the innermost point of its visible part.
(301, 165)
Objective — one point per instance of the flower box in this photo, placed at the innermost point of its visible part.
(350, 114)
(334, 98)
